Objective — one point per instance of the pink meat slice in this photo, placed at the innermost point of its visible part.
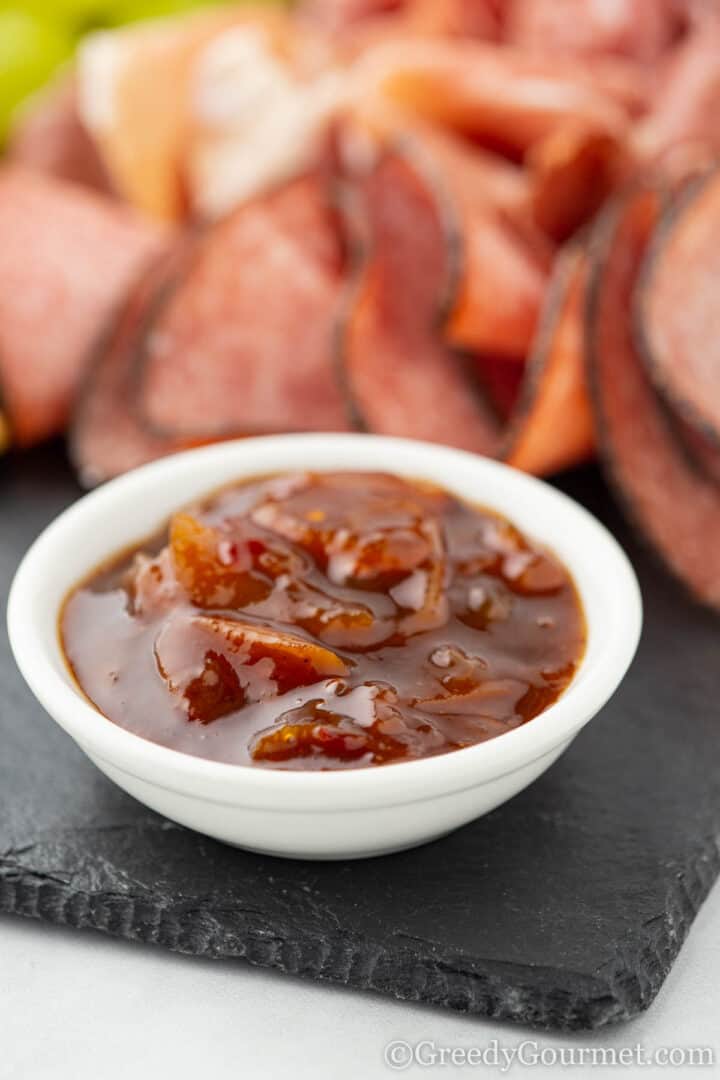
(67, 256)
(679, 316)
(106, 436)
(243, 339)
(401, 377)
(676, 504)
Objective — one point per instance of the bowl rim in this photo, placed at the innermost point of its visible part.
(618, 622)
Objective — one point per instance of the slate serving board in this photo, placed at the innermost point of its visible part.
(564, 908)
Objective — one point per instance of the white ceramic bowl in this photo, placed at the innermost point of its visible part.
(344, 814)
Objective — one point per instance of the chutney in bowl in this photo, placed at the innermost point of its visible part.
(326, 621)
(320, 813)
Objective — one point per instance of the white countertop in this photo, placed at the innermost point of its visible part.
(80, 1006)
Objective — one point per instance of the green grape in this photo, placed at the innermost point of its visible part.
(73, 15)
(124, 11)
(30, 51)
(127, 11)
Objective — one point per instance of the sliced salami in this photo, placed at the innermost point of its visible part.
(106, 437)
(678, 314)
(401, 377)
(505, 257)
(243, 338)
(66, 258)
(676, 504)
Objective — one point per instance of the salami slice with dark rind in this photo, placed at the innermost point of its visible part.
(242, 340)
(106, 437)
(676, 505)
(678, 316)
(400, 376)
(493, 232)
(67, 256)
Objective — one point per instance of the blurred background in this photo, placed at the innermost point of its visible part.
(39, 37)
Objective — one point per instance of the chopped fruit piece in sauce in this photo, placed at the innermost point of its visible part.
(326, 621)
(315, 731)
(334, 739)
(202, 657)
(216, 567)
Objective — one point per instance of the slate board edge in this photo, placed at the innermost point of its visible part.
(407, 970)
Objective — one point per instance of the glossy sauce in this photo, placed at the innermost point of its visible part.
(325, 621)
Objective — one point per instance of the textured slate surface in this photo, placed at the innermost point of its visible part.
(563, 909)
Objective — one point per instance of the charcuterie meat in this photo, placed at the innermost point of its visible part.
(677, 311)
(243, 341)
(67, 256)
(675, 503)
